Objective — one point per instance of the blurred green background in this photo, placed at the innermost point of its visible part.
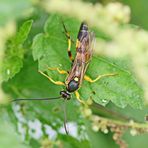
(15, 10)
(139, 9)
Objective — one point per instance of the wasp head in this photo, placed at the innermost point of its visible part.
(65, 94)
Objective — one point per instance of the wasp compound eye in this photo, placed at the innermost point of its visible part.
(65, 95)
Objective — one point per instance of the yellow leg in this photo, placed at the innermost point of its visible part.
(55, 82)
(69, 42)
(78, 43)
(57, 69)
(78, 98)
(87, 78)
(69, 47)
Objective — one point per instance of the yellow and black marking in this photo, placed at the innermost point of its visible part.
(77, 44)
(69, 42)
(76, 79)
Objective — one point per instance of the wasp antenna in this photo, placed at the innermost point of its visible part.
(36, 99)
(65, 117)
(65, 30)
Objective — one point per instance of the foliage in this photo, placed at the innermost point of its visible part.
(13, 60)
(111, 117)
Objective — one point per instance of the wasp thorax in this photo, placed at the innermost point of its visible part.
(65, 94)
(72, 86)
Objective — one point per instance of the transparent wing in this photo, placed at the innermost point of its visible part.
(83, 56)
(90, 46)
(88, 53)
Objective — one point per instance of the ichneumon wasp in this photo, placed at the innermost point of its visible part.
(84, 50)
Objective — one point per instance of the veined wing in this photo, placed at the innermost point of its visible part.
(88, 52)
(83, 56)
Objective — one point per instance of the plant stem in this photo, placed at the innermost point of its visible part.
(142, 127)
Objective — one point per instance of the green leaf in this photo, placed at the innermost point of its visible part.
(135, 114)
(49, 48)
(22, 34)
(121, 89)
(13, 59)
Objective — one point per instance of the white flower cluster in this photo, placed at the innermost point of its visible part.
(107, 18)
(36, 129)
